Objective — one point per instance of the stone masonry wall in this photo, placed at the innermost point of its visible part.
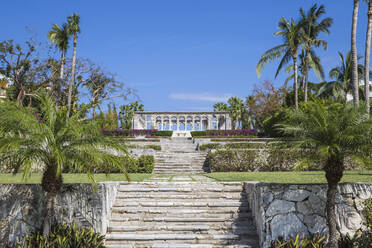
(285, 210)
(22, 206)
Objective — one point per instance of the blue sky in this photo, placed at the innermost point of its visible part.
(181, 55)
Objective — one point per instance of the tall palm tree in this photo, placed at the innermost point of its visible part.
(60, 36)
(45, 137)
(236, 109)
(73, 27)
(333, 133)
(312, 26)
(367, 56)
(354, 60)
(342, 75)
(291, 34)
(312, 62)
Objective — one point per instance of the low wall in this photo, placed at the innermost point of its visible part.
(22, 206)
(285, 210)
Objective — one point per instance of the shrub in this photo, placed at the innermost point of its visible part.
(269, 128)
(224, 133)
(209, 146)
(130, 132)
(154, 147)
(230, 160)
(316, 241)
(66, 236)
(146, 164)
(244, 145)
(198, 133)
(164, 133)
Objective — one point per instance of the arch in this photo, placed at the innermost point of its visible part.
(189, 118)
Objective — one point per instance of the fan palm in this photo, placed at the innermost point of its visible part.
(60, 37)
(312, 27)
(367, 55)
(47, 138)
(73, 27)
(291, 34)
(332, 132)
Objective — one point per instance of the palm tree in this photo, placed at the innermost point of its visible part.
(367, 56)
(220, 106)
(312, 62)
(291, 33)
(236, 110)
(311, 28)
(73, 27)
(333, 133)
(60, 37)
(46, 137)
(342, 75)
(354, 60)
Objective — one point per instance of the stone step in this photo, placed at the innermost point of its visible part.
(177, 245)
(179, 195)
(237, 229)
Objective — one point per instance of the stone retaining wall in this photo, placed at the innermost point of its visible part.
(284, 210)
(22, 206)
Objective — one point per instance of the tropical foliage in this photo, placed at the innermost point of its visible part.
(333, 132)
(45, 137)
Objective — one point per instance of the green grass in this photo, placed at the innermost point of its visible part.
(290, 177)
(73, 178)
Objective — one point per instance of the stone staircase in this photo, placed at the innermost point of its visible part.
(179, 156)
(175, 214)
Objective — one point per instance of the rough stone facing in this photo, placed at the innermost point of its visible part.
(22, 206)
(283, 210)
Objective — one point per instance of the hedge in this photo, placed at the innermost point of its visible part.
(224, 133)
(245, 145)
(164, 133)
(258, 160)
(143, 164)
(209, 146)
(154, 147)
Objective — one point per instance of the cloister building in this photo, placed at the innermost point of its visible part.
(182, 121)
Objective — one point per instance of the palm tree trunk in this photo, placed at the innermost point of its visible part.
(367, 56)
(62, 64)
(295, 68)
(72, 77)
(49, 214)
(334, 171)
(306, 76)
(354, 59)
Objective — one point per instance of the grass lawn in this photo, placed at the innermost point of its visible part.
(290, 177)
(73, 178)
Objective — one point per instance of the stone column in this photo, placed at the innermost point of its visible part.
(178, 123)
(210, 120)
(193, 123)
(217, 122)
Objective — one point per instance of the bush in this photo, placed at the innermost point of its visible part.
(130, 132)
(146, 164)
(269, 128)
(198, 133)
(224, 133)
(209, 146)
(164, 133)
(230, 160)
(245, 145)
(64, 236)
(258, 160)
(316, 241)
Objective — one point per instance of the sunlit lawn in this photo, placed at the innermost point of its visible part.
(290, 177)
(73, 178)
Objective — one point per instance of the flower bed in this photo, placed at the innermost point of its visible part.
(225, 133)
(137, 132)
